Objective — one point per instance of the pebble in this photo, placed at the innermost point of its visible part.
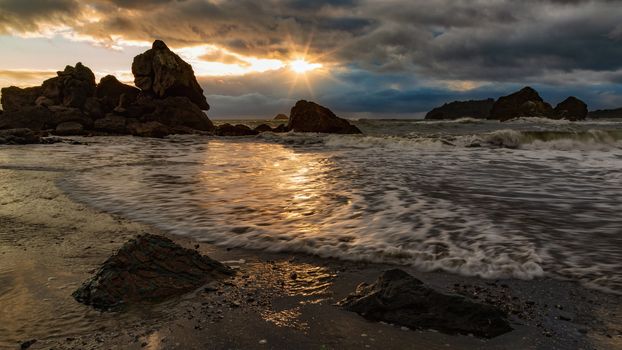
(263, 341)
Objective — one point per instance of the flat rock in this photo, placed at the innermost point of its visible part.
(146, 269)
(159, 71)
(399, 298)
(311, 117)
(69, 128)
(19, 137)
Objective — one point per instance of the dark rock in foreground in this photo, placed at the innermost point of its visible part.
(606, 113)
(399, 298)
(162, 73)
(311, 117)
(571, 108)
(462, 109)
(263, 128)
(524, 103)
(148, 268)
(19, 137)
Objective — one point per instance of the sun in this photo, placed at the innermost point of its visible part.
(300, 66)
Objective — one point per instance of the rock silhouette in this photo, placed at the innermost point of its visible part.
(310, 117)
(571, 108)
(461, 109)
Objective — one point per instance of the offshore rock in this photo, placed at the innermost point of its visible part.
(234, 130)
(397, 297)
(263, 128)
(524, 103)
(148, 268)
(281, 117)
(462, 109)
(162, 73)
(310, 117)
(572, 109)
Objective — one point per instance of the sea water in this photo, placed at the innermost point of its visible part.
(520, 199)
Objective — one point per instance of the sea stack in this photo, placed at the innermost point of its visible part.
(479, 109)
(309, 116)
(524, 103)
(572, 109)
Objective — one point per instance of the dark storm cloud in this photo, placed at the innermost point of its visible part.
(560, 45)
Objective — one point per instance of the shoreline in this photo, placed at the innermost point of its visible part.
(51, 244)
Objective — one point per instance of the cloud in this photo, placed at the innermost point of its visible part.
(391, 54)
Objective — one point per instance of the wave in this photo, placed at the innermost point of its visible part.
(596, 140)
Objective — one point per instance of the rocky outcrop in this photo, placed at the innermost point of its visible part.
(162, 73)
(171, 101)
(18, 137)
(263, 128)
(281, 117)
(462, 109)
(148, 268)
(399, 298)
(311, 117)
(235, 130)
(571, 108)
(606, 113)
(524, 103)
(14, 98)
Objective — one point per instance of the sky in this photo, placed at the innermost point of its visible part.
(361, 58)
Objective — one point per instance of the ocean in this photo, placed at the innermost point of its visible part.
(521, 199)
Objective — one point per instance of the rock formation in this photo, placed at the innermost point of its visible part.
(311, 117)
(148, 268)
(162, 73)
(399, 298)
(171, 101)
(571, 108)
(281, 117)
(524, 103)
(606, 113)
(234, 130)
(461, 109)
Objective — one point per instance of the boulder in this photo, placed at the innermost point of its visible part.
(62, 114)
(111, 123)
(14, 98)
(111, 89)
(162, 73)
(234, 130)
(399, 298)
(281, 117)
(30, 117)
(461, 109)
(524, 103)
(18, 137)
(572, 109)
(280, 128)
(148, 268)
(69, 128)
(263, 128)
(93, 108)
(76, 84)
(311, 117)
(174, 112)
(149, 129)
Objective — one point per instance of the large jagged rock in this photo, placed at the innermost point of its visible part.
(461, 109)
(110, 89)
(399, 298)
(177, 111)
(571, 108)
(524, 103)
(148, 268)
(30, 117)
(14, 98)
(308, 116)
(75, 84)
(162, 73)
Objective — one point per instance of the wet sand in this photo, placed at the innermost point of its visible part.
(49, 245)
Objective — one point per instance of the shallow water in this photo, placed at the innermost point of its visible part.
(521, 199)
